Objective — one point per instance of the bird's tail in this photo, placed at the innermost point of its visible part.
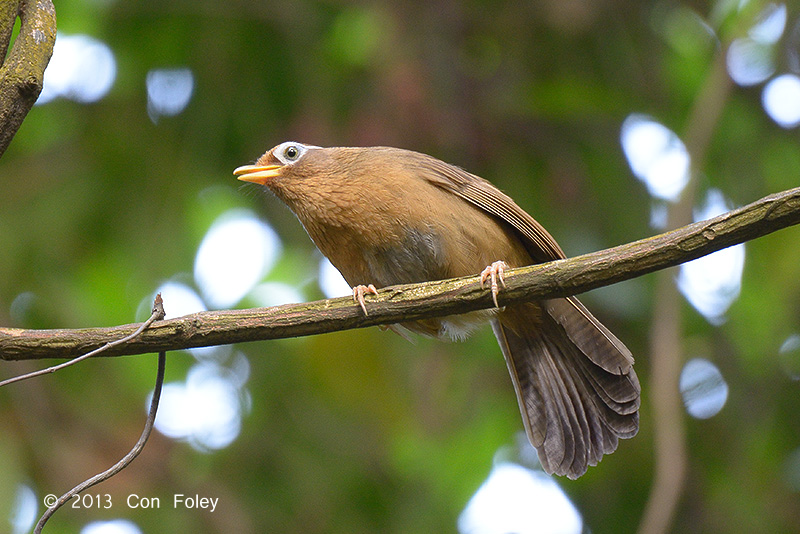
(575, 383)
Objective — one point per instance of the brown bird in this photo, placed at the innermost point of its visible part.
(388, 216)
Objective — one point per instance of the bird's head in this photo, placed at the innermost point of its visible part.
(274, 162)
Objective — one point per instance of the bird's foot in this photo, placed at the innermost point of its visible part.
(359, 292)
(493, 273)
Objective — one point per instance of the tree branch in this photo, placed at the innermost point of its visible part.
(22, 72)
(417, 301)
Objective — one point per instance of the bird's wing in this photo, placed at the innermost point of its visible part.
(594, 339)
(479, 192)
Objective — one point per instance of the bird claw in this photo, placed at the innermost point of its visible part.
(494, 272)
(358, 295)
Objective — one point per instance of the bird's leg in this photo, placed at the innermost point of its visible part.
(358, 295)
(494, 272)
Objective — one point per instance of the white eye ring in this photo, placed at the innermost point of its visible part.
(290, 151)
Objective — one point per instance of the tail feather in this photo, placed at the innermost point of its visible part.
(575, 384)
(530, 395)
(590, 336)
(610, 388)
(583, 433)
(594, 439)
(563, 449)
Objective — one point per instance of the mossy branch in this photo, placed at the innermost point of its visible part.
(417, 301)
(22, 71)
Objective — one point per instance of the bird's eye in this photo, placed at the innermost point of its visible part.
(292, 152)
(289, 152)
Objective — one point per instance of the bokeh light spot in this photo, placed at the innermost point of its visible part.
(712, 283)
(168, 91)
(82, 69)
(750, 62)
(23, 511)
(331, 281)
(517, 499)
(703, 388)
(115, 526)
(206, 409)
(789, 355)
(769, 25)
(656, 156)
(20, 308)
(236, 252)
(781, 100)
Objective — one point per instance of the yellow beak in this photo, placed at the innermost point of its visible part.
(258, 174)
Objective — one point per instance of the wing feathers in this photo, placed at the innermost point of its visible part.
(474, 189)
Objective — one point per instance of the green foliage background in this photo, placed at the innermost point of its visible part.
(362, 431)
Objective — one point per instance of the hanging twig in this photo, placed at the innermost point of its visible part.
(123, 463)
(158, 313)
(153, 317)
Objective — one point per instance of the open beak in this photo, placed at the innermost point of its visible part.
(258, 174)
